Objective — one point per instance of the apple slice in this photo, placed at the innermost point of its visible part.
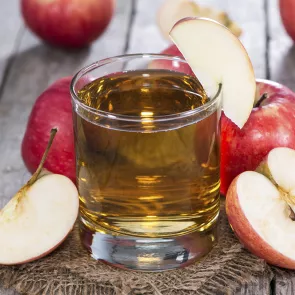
(172, 11)
(260, 208)
(213, 52)
(39, 217)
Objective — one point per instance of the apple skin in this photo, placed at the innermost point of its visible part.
(287, 11)
(53, 108)
(270, 125)
(68, 23)
(247, 235)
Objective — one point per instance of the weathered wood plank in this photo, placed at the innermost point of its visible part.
(281, 49)
(146, 37)
(10, 33)
(284, 282)
(35, 66)
(10, 36)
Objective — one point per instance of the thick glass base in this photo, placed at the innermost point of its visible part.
(147, 254)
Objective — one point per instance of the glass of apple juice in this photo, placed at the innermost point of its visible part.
(147, 158)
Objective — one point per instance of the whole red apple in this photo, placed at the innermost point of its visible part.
(67, 23)
(271, 124)
(287, 10)
(52, 109)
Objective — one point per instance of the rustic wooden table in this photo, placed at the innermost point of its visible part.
(27, 67)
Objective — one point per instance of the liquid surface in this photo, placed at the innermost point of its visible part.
(151, 184)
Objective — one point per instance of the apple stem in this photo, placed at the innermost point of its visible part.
(260, 100)
(40, 167)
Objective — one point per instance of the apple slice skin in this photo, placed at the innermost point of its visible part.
(246, 233)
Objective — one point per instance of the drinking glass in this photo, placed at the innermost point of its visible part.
(147, 160)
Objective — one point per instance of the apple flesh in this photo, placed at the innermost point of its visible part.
(39, 217)
(270, 125)
(52, 109)
(260, 208)
(70, 23)
(215, 54)
(287, 10)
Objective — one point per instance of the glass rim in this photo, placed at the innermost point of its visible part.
(132, 118)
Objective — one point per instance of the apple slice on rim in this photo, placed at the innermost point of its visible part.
(260, 208)
(214, 53)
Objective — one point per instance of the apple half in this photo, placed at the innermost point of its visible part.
(39, 217)
(260, 206)
(215, 54)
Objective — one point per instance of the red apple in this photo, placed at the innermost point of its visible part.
(172, 65)
(52, 109)
(270, 125)
(67, 23)
(260, 208)
(287, 10)
(172, 50)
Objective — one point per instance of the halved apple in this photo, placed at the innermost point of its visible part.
(260, 207)
(39, 217)
(214, 53)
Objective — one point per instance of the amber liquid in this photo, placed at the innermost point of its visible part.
(146, 182)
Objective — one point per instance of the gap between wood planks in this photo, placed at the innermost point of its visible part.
(267, 39)
(130, 24)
